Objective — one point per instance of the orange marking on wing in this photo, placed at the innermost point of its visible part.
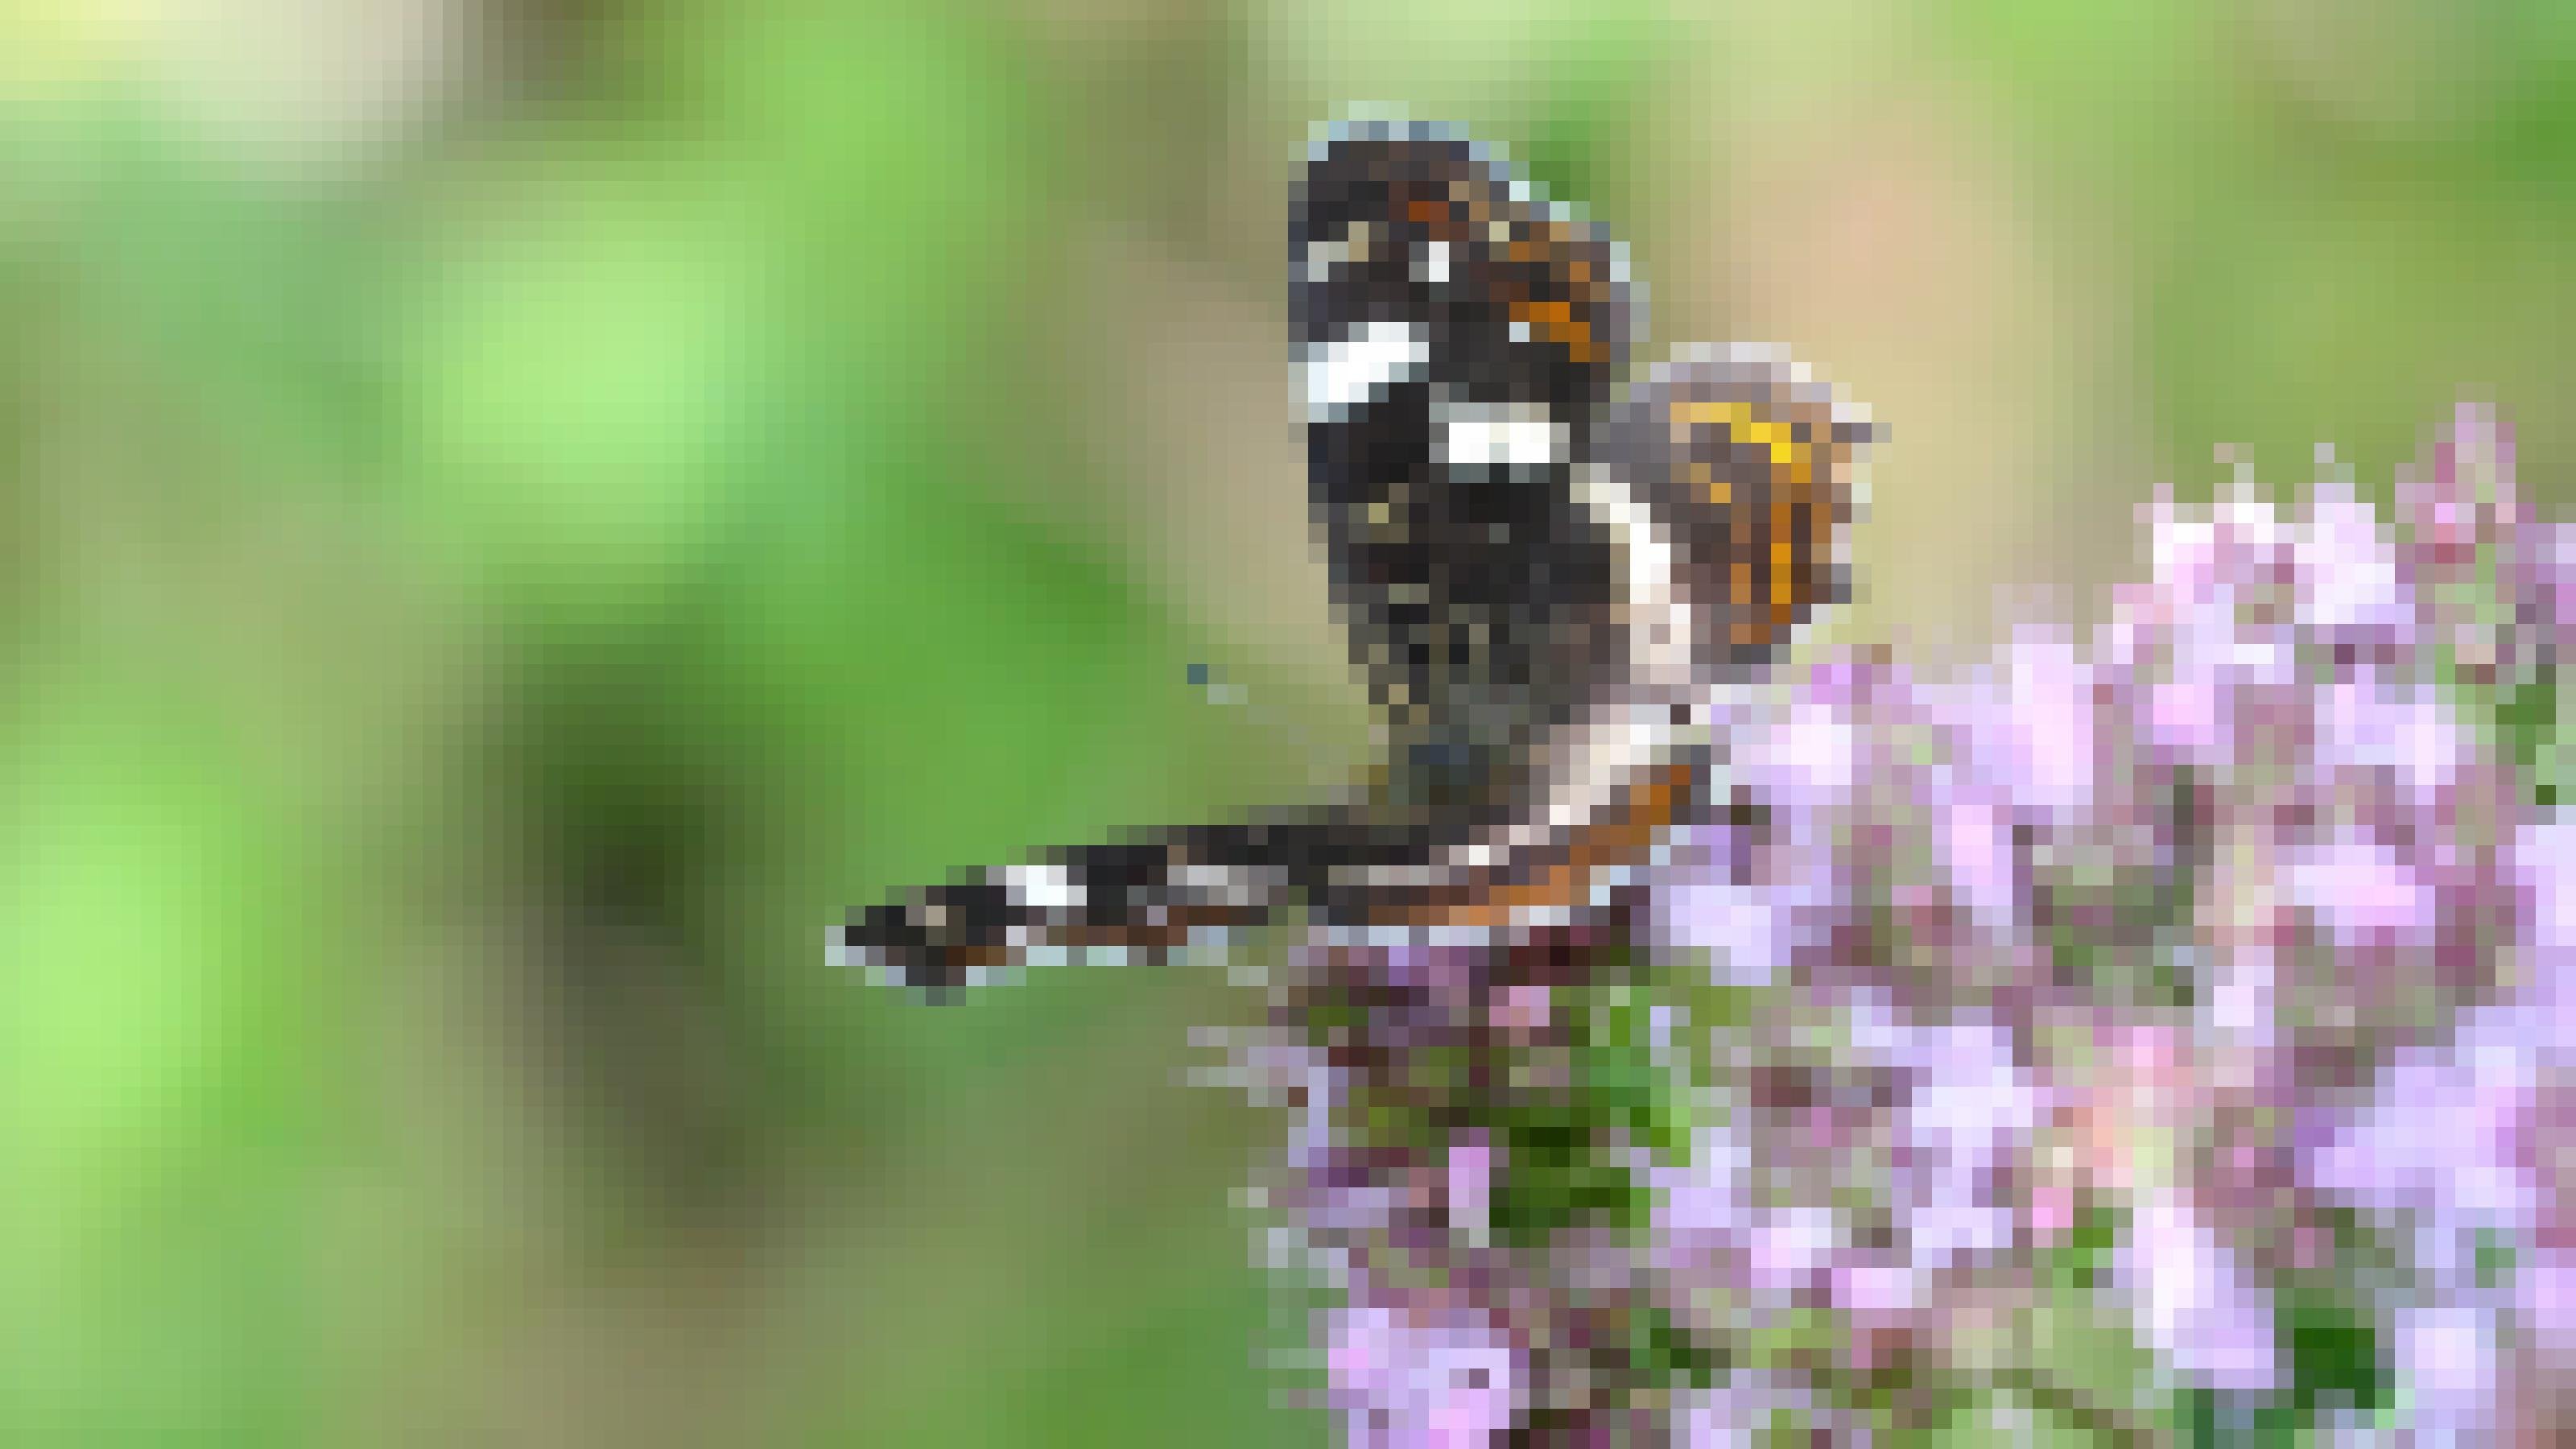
(1647, 808)
(1154, 937)
(1715, 489)
(1557, 323)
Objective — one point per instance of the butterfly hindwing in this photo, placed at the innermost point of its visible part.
(1755, 464)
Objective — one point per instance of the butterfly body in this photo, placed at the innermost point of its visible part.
(1543, 579)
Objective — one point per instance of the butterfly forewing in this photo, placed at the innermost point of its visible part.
(1460, 338)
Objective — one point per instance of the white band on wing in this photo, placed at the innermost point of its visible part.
(1044, 886)
(1359, 367)
(1484, 435)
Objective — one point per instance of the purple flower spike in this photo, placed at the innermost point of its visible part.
(2238, 913)
(1401, 1385)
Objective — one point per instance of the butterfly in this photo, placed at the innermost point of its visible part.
(1544, 575)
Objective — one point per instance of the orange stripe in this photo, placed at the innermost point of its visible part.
(1647, 808)
(1557, 323)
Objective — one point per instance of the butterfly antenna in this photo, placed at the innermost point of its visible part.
(1323, 771)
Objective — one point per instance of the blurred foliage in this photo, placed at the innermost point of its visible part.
(516, 515)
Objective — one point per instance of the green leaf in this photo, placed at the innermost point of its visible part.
(2526, 716)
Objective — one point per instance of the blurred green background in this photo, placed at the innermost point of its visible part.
(515, 514)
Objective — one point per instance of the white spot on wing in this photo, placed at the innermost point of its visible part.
(1342, 374)
(1045, 887)
(1483, 435)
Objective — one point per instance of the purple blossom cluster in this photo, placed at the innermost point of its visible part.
(2034, 1047)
